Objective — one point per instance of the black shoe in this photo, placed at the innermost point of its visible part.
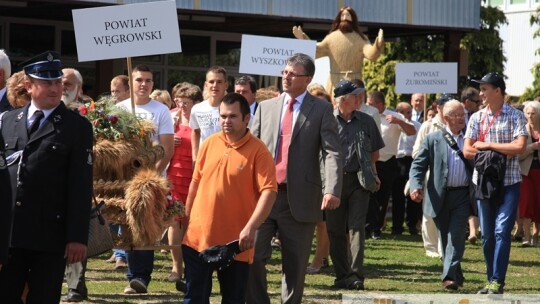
(325, 263)
(348, 284)
(73, 295)
(376, 234)
(181, 286)
(413, 231)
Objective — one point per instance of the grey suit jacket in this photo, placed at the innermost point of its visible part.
(433, 156)
(315, 130)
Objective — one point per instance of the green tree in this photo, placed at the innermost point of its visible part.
(484, 47)
(534, 90)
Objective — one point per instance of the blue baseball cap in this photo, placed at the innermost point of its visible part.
(345, 87)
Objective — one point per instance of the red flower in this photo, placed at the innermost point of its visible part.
(82, 110)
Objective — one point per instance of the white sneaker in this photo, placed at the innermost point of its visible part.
(431, 254)
(129, 290)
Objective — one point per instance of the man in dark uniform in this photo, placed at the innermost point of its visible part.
(5, 206)
(49, 157)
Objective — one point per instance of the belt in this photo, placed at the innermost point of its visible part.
(282, 187)
(456, 188)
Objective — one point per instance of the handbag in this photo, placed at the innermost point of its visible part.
(99, 234)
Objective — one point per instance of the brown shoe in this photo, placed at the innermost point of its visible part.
(450, 285)
(120, 264)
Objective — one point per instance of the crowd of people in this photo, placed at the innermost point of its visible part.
(252, 170)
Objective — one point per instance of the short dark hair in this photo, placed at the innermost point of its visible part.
(246, 79)
(376, 96)
(141, 68)
(218, 70)
(232, 98)
(468, 93)
(305, 61)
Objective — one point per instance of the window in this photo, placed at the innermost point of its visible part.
(228, 53)
(194, 77)
(518, 1)
(495, 2)
(195, 52)
(67, 42)
(27, 40)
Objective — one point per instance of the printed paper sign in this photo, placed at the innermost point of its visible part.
(126, 30)
(262, 55)
(439, 77)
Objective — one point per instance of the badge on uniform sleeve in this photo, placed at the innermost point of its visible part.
(89, 160)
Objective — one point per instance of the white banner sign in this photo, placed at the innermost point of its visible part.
(439, 77)
(126, 30)
(262, 55)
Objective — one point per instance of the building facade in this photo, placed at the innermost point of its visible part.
(211, 31)
(519, 45)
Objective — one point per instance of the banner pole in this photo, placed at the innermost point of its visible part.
(128, 59)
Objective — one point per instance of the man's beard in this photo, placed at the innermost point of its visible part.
(345, 26)
(70, 96)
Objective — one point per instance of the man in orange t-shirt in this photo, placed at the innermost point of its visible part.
(232, 192)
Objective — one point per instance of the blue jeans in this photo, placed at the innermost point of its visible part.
(232, 280)
(116, 229)
(140, 265)
(496, 223)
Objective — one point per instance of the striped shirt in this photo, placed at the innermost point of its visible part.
(508, 126)
(457, 173)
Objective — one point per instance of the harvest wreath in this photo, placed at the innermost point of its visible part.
(135, 194)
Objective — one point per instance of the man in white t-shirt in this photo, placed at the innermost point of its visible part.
(392, 125)
(141, 262)
(204, 119)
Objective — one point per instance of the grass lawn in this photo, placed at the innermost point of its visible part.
(394, 264)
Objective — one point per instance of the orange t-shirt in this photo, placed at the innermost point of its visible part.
(231, 178)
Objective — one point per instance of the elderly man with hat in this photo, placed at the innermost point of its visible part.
(360, 143)
(496, 131)
(430, 235)
(49, 158)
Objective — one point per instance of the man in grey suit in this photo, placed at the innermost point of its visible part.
(295, 127)
(448, 197)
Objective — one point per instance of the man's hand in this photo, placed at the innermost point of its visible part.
(392, 119)
(330, 202)
(247, 238)
(417, 195)
(378, 182)
(480, 145)
(75, 252)
(298, 33)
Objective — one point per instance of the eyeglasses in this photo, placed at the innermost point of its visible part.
(286, 74)
(457, 115)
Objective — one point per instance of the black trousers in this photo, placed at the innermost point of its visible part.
(400, 201)
(43, 271)
(378, 202)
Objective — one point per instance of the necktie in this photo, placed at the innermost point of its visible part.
(38, 116)
(283, 148)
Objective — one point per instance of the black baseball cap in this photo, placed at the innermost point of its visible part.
(45, 66)
(345, 87)
(444, 98)
(495, 79)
